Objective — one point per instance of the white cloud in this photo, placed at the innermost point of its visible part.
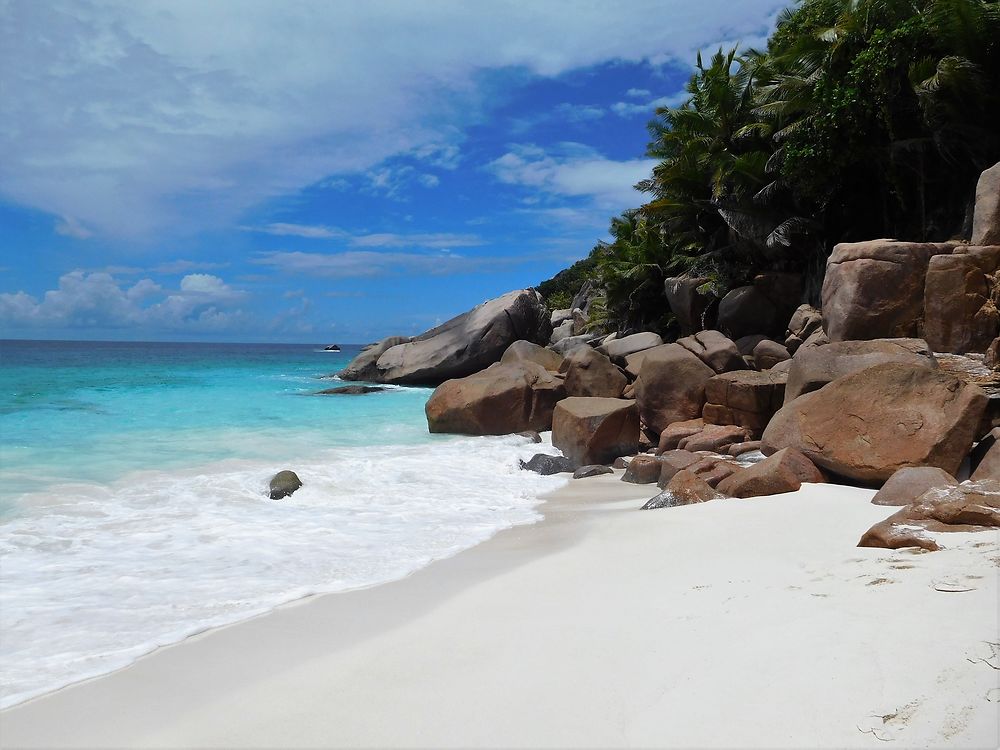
(573, 170)
(437, 241)
(96, 301)
(298, 230)
(70, 227)
(183, 266)
(369, 263)
(131, 116)
(648, 108)
(429, 180)
(638, 93)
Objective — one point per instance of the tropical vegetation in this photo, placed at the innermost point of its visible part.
(861, 119)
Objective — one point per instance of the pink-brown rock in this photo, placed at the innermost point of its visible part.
(784, 471)
(959, 315)
(684, 488)
(643, 469)
(986, 217)
(715, 350)
(746, 398)
(677, 431)
(673, 461)
(869, 424)
(769, 353)
(590, 373)
(592, 430)
(502, 399)
(671, 386)
(527, 351)
(875, 289)
(715, 438)
(688, 305)
(909, 483)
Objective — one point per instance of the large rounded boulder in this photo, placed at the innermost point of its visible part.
(526, 351)
(595, 430)
(501, 399)
(671, 386)
(365, 365)
(867, 425)
(590, 373)
(468, 343)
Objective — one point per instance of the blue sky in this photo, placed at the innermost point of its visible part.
(320, 171)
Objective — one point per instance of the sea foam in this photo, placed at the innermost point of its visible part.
(93, 576)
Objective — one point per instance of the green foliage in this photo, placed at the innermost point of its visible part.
(861, 119)
(558, 292)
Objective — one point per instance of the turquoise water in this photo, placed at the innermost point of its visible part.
(135, 509)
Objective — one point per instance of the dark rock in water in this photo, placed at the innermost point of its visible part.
(531, 435)
(592, 470)
(351, 390)
(545, 464)
(363, 366)
(283, 484)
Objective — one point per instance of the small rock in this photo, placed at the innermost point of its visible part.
(592, 470)
(544, 464)
(351, 390)
(785, 471)
(642, 469)
(909, 483)
(685, 488)
(283, 484)
(531, 435)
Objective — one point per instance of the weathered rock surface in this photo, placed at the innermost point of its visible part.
(595, 430)
(350, 390)
(684, 488)
(501, 399)
(542, 463)
(909, 483)
(715, 438)
(875, 289)
(869, 424)
(713, 469)
(970, 506)
(593, 470)
(674, 433)
(769, 353)
(363, 366)
(986, 218)
(959, 314)
(745, 311)
(526, 351)
(469, 342)
(590, 373)
(558, 317)
(531, 435)
(715, 350)
(642, 469)
(691, 308)
(814, 367)
(671, 386)
(562, 331)
(283, 484)
(621, 348)
(673, 461)
(746, 398)
(566, 345)
(785, 471)
(748, 446)
(985, 459)
(805, 321)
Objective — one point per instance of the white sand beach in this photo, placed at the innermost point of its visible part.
(735, 623)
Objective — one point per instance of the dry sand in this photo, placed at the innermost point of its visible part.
(736, 623)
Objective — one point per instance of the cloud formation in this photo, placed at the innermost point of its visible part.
(129, 117)
(369, 263)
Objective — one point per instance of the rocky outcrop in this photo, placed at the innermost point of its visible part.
(714, 438)
(785, 471)
(566, 345)
(959, 290)
(283, 484)
(715, 350)
(691, 308)
(467, 343)
(747, 310)
(671, 386)
(684, 488)
(986, 218)
(364, 366)
(875, 289)
(593, 470)
(805, 321)
(814, 367)
(746, 398)
(909, 483)
(970, 506)
(869, 424)
(526, 351)
(590, 373)
(985, 459)
(768, 353)
(501, 399)
(546, 465)
(671, 437)
(623, 347)
(350, 390)
(642, 469)
(595, 430)
(713, 469)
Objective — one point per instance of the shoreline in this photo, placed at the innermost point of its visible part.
(595, 626)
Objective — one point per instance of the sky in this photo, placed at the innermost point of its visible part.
(320, 171)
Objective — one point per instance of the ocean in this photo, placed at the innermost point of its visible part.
(134, 510)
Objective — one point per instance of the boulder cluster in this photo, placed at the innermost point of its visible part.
(887, 384)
